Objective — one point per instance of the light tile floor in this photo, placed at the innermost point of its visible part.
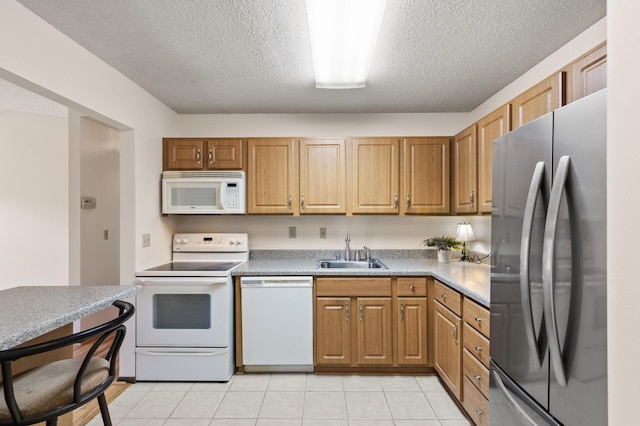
(289, 400)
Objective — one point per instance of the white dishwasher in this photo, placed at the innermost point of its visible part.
(277, 323)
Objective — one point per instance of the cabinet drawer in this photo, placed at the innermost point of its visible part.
(448, 297)
(408, 287)
(476, 316)
(477, 373)
(353, 286)
(475, 404)
(477, 344)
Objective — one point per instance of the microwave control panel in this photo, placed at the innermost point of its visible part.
(232, 197)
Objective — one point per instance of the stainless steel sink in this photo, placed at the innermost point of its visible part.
(350, 264)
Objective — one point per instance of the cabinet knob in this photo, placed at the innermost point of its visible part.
(412, 287)
(444, 297)
(479, 412)
(477, 377)
(478, 319)
(477, 348)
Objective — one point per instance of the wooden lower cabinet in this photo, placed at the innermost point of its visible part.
(333, 331)
(448, 355)
(475, 361)
(374, 331)
(411, 331)
(475, 404)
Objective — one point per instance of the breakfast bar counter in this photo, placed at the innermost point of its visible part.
(31, 311)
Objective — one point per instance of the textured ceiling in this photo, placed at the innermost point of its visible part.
(253, 56)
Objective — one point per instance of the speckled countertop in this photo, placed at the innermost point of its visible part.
(28, 312)
(470, 279)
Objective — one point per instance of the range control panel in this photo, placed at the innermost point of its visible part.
(220, 242)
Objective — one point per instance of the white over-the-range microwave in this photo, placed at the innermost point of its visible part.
(203, 192)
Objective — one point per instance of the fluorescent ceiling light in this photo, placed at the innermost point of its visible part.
(343, 38)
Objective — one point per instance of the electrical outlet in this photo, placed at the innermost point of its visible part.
(146, 240)
(323, 233)
(292, 232)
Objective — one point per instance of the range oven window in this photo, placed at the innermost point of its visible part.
(181, 311)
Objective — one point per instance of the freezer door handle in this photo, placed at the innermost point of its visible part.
(511, 400)
(548, 269)
(537, 345)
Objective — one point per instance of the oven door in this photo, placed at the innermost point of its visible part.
(184, 312)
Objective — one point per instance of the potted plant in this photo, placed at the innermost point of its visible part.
(444, 245)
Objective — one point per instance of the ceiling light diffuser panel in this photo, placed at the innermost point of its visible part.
(343, 38)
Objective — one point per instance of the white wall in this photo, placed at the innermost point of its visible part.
(34, 207)
(623, 205)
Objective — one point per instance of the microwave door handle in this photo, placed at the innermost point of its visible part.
(548, 269)
(525, 253)
(223, 193)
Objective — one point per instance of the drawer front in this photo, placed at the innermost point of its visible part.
(409, 287)
(477, 344)
(475, 404)
(353, 286)
(477, 373)
(448, 297)
(476, 316)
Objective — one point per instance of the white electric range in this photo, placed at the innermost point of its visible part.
(184, 315)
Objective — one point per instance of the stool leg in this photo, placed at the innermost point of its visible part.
(104, 410)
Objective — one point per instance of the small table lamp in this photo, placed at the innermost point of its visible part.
(465, 234)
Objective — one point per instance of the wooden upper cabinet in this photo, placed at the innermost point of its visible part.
(374, 175)
(490, 128)
(589, 73)
(323, 176)
(202, 154)
(224, 154)
(425, 176)
(272, 186)
(544, 97)
(465, 190)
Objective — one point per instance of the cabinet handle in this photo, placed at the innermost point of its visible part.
(477, 348)
(211, 156)
(455, 333)
(478, 319)
(361, 312)
(478, 412)
(290, 201)
(477, 377)
(395, 200)
(402, 312)
(198, 155)
(408, 201)
(347, 311)
(444, 297)
(302, 201)
(472, 198)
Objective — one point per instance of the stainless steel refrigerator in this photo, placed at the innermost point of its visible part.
(548, 275)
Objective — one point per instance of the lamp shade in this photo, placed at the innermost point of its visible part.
(465, 233)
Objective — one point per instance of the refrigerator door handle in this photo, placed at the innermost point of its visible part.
(525, 249)
(548, 270)
(511, 400)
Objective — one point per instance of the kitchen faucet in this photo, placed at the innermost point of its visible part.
(347, 251)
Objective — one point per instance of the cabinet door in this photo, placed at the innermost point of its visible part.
(332, 334)
(271, 177)
(544, 97)
(589, 73)
(374, 331)
(224, 154)
(374, 176)
(448, 350)
(490, 128)
(411, 332)
(322, 176)
(425, 175)
(183, 154)
(464, 171)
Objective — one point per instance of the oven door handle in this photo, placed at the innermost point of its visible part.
(182, 281)
(182, 353)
